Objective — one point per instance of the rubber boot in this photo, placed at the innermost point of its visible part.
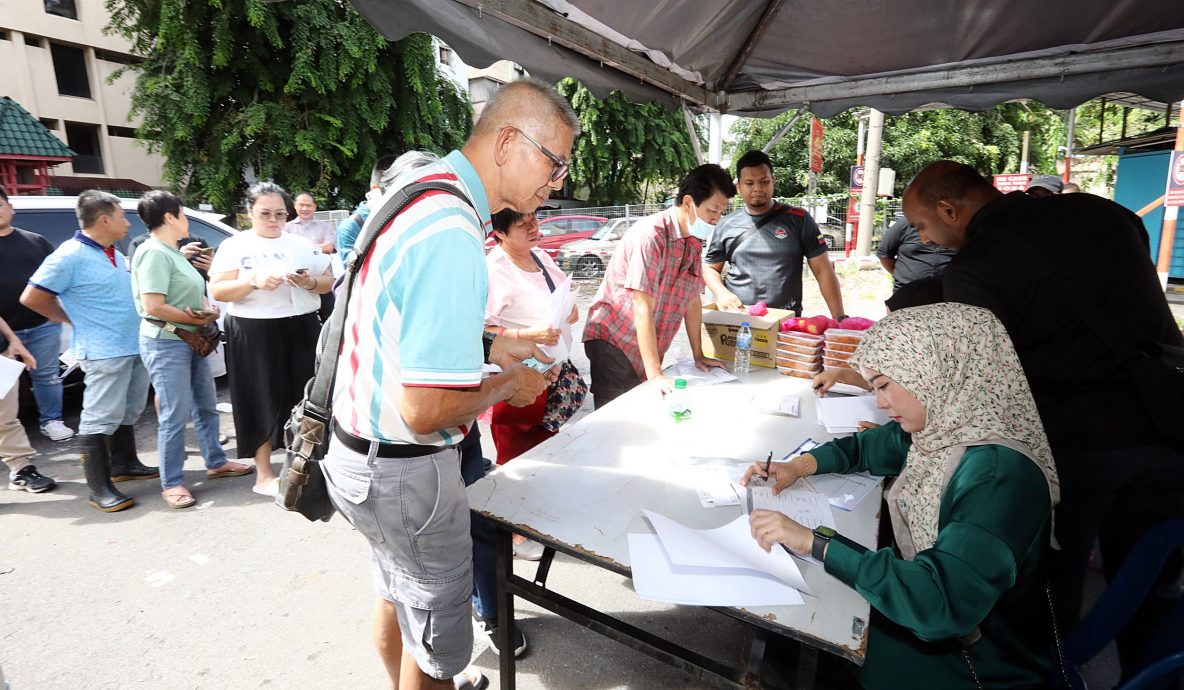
(125, 464)
(96, 465)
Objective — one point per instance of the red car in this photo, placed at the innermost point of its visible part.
(557, 231)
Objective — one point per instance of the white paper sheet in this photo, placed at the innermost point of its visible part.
(808, 508)
(847, 389)
(10, 373)
(715, 484)
(657, 579)
(559, 309)
(730, 546)
(845, 491)
(686, 369)
(843, 414)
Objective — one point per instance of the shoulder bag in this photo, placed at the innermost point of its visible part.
(567, 394)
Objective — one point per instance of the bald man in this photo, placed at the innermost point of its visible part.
(1120, 472)
(410, 384)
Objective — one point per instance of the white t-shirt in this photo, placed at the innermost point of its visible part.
(250, 255)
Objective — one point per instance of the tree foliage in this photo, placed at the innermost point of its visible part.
(626, 147)
(306, 93)
(990, 141)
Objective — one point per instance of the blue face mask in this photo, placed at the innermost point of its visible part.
(699, 227)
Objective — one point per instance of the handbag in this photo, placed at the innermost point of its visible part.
(564, 397)
(567, 394)
(203, 341)
(303, 488)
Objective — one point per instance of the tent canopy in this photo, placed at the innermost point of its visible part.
(762, 57)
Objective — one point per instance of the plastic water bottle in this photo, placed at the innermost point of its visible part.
(677, 403)
(743, 349)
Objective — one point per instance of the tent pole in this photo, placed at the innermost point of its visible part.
(777, 137)
(686, 114)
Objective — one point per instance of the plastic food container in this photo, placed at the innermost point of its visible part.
(797, 373)
(836, 354)
(814, 350)
(833, 346)
(844, 336)
(810, 367)
(814, 357)
(832, 363)
(800, 339)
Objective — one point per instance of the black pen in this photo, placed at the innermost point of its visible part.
(768, 461)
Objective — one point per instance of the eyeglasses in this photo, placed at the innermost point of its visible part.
(268, 215)
(561, 165)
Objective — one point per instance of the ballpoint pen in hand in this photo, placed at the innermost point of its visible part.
(768, 461)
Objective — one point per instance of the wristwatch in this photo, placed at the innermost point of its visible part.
(487, 342)
(252, 282)
(822, 537)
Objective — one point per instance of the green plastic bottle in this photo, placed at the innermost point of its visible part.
(677, 403)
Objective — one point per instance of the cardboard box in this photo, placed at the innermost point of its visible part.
(720, 329)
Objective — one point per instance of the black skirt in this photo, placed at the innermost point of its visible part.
(268, 361)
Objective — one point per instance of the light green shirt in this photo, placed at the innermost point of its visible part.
(160, 268)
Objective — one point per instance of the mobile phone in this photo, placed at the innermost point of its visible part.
(300, 272)
(202, 313)
(207, 251)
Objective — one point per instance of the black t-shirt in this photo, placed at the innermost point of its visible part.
(1083, 393)
(21, 253)
(767, 266)
(915, 260)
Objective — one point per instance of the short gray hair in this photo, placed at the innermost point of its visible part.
(92, 204)
(403, 164)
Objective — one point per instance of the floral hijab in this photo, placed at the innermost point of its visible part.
(958, 361)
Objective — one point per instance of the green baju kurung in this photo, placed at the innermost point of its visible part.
(985, 570)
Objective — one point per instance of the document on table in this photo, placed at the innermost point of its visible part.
(841, 388)
(715, 484)
(807, 508)
(843, 414)
(562, 300)
(727, 547)
(10, 373)
(845, 491)
(656, 578)
(686, 369)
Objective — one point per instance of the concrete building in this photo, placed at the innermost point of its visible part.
(56, 61)
(483, 83)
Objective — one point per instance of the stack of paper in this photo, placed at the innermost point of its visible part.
(842, 415)
(719, 567)
(845, 491)
(686, 369)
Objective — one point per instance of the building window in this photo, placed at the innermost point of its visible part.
(3, 35)
(62, 8)
(69, 64)
(118, 58)
(445, 55)
(83, 139)
(125, 132)
(49, 123)
(31, 40)
(519, 73)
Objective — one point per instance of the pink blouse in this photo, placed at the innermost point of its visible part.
(517, 298)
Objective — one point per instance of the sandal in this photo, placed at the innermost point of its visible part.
(178, 497)
(470, 679)
(230, 469)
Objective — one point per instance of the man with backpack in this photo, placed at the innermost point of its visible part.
(763, 245)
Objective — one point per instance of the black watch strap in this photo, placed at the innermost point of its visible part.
(487, 343)
(822, 537)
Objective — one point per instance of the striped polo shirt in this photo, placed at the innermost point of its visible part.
(417, 311)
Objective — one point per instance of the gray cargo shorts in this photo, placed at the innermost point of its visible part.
(415, 514)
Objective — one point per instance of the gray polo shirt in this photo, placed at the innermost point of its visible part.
(915, 260)
(315, 230)
(767, 266)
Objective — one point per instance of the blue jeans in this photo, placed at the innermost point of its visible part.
(473, 466)
(115, 394)
(184, 388)
(44, 342)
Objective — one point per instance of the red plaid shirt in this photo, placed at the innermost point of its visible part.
(652, 258)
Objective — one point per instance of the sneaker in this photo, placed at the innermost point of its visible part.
(490, 630)
(529, 550)
(29, 479)
(56, 430)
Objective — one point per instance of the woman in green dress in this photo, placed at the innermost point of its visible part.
(960, 601)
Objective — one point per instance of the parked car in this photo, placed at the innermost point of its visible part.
(53, 218)
(557, 231)
(588, 258)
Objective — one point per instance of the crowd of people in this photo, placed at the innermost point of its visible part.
(1017, 439)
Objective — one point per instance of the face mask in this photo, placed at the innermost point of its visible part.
(372, 198)
(699, 227)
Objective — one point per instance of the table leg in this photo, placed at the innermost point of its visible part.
(544, 569)
(756, 657)
(505, 607)
(807, 666)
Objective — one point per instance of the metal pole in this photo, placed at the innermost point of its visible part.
(777, 137)
(871, 178)
(859, 143)
(1167, 237)
(715, 143)
(1024, 153)
(686, 114)
(1072, 121)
